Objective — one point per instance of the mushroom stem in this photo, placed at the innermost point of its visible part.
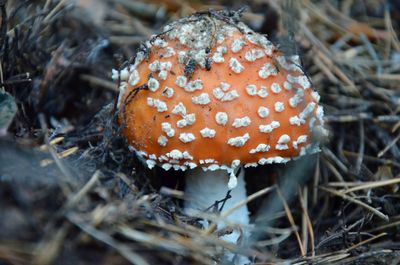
(204, 188)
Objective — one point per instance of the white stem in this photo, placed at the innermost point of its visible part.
(204, 188)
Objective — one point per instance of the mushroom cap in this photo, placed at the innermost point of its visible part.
(213, 93)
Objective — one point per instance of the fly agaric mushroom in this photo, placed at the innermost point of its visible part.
(208, 96)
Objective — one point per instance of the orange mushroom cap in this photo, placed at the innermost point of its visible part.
(216, 95)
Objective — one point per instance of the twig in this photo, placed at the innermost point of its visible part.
(48, 250)
(57, 8)
(390, 145)
(108, 240)
(68, 178)
(372, 185)
(100, 82)
(361, 148)
(291, 221)
(225, 214)
(384, 227)
(307, 220)
(365, 242)
(172, 193)
(328, 153)
(373, 159)
(358, 202)
(72, 201)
